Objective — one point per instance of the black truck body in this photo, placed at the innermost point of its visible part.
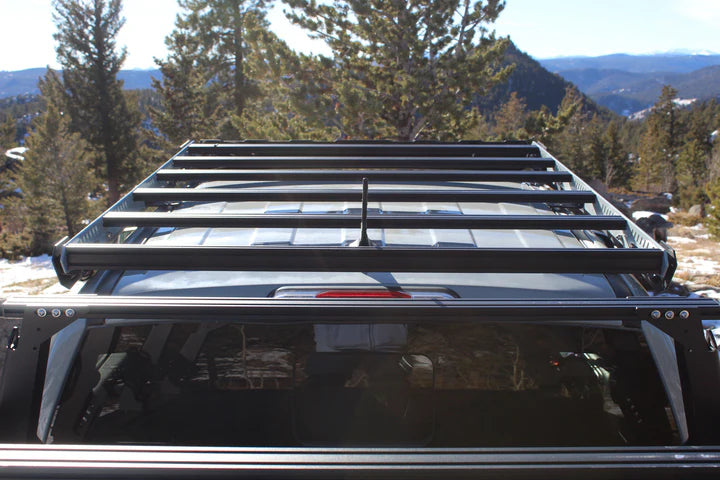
(360, 310)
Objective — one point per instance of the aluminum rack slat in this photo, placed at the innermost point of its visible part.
(230, 220)
(159, 195)
(197, 175)
(420, 163)
(369, 149)
(362, 259)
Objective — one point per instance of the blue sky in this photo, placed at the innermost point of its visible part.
(542, 28)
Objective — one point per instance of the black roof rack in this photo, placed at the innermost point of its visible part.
(543, 180)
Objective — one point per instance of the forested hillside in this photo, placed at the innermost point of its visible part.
(530, 81)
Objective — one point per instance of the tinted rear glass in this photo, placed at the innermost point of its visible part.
(430, 385)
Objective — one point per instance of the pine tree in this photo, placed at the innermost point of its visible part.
(510, 119)
(482, 130)
(570, 141)
(8, 166)
(226, 73)
(545, 127)
(57, 174)
(616, 170)
(187, 110)
(659, 146)
(713, 218)
(692, 174)
(291, 103)
(700, 121)
(407, 70)
(713, 162)
(86, 49)
(8, 133)
(596, 149)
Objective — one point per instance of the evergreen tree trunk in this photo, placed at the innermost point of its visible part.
(238, 91)
(66, 212)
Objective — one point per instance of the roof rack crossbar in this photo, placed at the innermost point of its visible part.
(369, 149)
(361, 259)
(420, 163)
(193, 175)
(305, 220)
(160, 195)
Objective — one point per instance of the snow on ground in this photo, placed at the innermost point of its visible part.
(28, 269)
(681, 240)
(698, 265)
(698, 258)
(29, 276)
(709, 293)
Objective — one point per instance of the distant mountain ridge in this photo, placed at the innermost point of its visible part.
(532, 82)
(662, 62)
(23, 82)
(627, 92)
(630, 83)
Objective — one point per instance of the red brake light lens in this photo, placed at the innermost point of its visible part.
(362, 294)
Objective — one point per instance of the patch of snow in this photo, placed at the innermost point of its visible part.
(681, 240)
(699, 265)
(55, 289)
(699, 226)
(644, 214)
(26, 270)
(30, 268)
(709, 293)
(640, 114)
(703, 236)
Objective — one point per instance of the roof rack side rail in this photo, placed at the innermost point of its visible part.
(368, 149)
(633, 236)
